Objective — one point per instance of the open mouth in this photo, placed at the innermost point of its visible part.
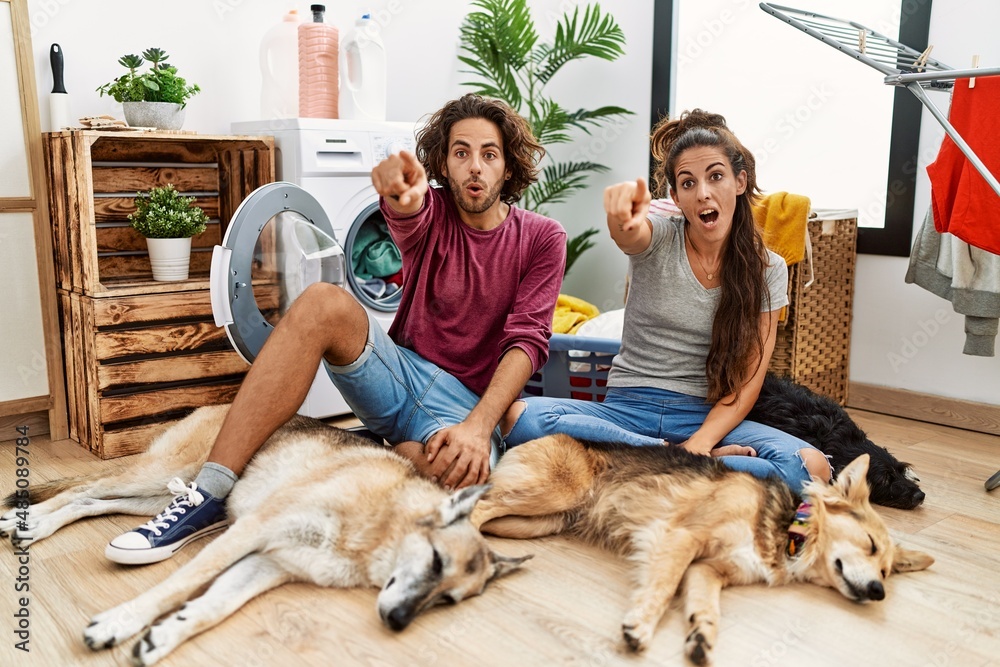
(709, 216)
(474, 189)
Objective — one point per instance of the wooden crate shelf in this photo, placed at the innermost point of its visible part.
(136, 362)
(93, 180)
(139, 353)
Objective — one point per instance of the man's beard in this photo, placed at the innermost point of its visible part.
(473, 206)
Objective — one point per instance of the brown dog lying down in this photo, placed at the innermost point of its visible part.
(687, 519)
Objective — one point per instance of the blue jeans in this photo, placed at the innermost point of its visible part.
(400, 396)
(645, 416)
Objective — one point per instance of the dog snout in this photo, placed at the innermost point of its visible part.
(398, 618)
(876, 591)
(918, 497)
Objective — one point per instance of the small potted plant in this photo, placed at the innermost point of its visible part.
(168, 220)
(155, 98)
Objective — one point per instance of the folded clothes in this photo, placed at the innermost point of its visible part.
(570, 313)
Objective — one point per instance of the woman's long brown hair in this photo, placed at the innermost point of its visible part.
(737, 345)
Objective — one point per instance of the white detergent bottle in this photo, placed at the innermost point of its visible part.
(363, 73)
(279, 69)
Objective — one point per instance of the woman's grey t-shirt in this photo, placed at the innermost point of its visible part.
(669, 315)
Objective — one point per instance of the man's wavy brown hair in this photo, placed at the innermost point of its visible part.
(737, 346)
(521, 151)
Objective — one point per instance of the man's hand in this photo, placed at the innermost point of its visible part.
(402, 181)
(459, 455)
(627, 205)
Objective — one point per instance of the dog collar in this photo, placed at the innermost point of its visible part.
(797, 531)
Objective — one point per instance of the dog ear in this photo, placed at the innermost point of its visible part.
(908, 560)
(503, 564)
(852, 482)
(459, 505)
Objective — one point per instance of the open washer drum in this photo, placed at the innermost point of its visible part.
(279, 242)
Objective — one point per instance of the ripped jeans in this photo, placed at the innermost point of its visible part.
(645, 416)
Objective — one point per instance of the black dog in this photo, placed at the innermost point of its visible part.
(822, 423)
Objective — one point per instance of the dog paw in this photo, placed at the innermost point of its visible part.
(148, 650)
(636, 632)
(8, 524)
(697, 648)
(34, 531)
(111, 627)
(160, 640)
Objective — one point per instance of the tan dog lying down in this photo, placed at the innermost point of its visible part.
(687, 519)
(315, 504)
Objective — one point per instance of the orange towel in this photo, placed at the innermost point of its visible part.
(782, 220)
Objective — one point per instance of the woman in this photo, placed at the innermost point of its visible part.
(700, 320)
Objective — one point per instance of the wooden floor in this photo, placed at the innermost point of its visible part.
(565, 607)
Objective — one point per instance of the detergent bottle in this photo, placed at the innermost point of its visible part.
(363, 73)
(279, 69)
(319, 46)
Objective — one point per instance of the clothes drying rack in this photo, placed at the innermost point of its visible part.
(901, 65)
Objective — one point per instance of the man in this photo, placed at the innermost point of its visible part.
(481, 281)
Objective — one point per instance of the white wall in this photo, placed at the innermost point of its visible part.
(215, 43)
(896, 342)
(819, 125)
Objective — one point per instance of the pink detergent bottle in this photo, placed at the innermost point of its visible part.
(319, 47)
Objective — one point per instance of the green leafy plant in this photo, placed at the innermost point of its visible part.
(510, 63)
(158, 84)
(163, 213)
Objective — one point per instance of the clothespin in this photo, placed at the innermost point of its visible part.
(921, 62)
(861, 40)
(975, 65)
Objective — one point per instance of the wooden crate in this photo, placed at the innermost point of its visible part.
(814, 343)
(135, 363)
(94, 177)
(139, 353)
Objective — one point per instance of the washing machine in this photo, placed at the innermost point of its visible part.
(320, 221)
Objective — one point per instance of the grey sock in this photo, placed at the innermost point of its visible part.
(216, 479)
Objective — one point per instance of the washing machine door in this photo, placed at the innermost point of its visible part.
(279, 242)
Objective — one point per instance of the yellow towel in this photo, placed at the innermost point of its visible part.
(570, 313)
(782, 220)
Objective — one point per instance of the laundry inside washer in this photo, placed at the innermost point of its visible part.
(376, 263)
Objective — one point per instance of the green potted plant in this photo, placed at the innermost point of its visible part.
(168, 220)
(154, 98)
(511, 64)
